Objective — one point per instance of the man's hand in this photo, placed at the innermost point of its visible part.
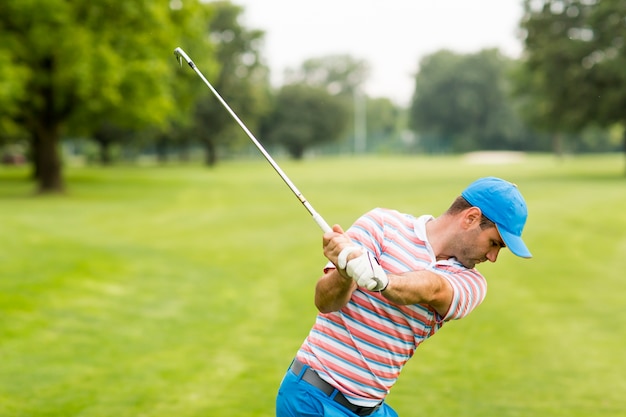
(339, 249)
(354, 262)
(335, 287)
(367, 272)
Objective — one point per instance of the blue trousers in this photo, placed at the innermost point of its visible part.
(298, 398)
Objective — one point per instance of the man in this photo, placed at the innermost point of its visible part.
(391, 282)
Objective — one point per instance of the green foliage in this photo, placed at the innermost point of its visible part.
(574, 58)
(304, 116)
(80, 64)
(552, 78)
(463, 102)
(607, 62)
(99, 60)
(186, 292)
(382, 117)
(12, 91)
(339, 74)
(242, 81)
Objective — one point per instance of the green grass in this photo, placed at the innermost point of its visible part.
(185, 291)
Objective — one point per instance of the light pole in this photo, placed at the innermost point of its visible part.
(360, 121)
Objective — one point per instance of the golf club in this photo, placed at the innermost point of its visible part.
(181, 55)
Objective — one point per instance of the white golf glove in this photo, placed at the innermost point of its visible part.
(342, 259)
(367, 272)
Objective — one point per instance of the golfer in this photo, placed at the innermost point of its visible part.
(391, 282)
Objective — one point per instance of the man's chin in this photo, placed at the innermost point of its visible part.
(469, 264)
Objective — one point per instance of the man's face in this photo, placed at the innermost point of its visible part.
(476, 245)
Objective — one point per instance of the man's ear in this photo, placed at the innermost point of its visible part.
(471, 217)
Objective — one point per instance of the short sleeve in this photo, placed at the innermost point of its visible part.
(469, 289)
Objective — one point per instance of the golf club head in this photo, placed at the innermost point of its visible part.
(181, 55)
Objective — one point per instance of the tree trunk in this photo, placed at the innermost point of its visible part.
(33, 157)
(161, 147)
(296, 152)
(557, 145)
(105, 152)
(184, 153)
(210, 154)
(46, 132)
(47, 161)
(624, 146)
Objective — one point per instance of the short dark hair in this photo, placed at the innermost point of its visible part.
(460, 204)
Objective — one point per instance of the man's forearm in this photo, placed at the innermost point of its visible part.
(420, 287)
(333, 291)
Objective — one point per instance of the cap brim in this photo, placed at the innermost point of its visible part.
(515, 244)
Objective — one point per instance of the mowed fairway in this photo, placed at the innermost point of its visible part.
(186, 291)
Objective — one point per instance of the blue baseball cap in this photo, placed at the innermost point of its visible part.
(502, 203)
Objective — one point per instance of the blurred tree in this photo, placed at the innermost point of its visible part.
(549, 79)
(12, 92)
(242, 81)
(78, 65)
(575, 55)
(105, 136)
(304, 116)
(461, 102)
(339, 74)
(343, 77)
(383, 120)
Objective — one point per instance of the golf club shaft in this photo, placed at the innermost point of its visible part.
(180, 54)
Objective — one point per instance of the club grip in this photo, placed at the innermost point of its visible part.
(322, 223)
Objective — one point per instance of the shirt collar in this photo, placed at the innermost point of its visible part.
(420, 232)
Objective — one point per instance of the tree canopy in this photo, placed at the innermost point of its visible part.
(338, 74)
(72, 66)
(461, 102)
(573, 65)
(104, 70)
(304, 116)
(242, 80)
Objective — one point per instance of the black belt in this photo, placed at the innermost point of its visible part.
(314, 379)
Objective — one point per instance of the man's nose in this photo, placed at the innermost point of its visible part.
(492, 255)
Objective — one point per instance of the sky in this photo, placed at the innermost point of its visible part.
(390, 35)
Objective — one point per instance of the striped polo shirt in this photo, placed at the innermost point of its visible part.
(361, 349)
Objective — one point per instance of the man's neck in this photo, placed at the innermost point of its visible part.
(438, 236)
